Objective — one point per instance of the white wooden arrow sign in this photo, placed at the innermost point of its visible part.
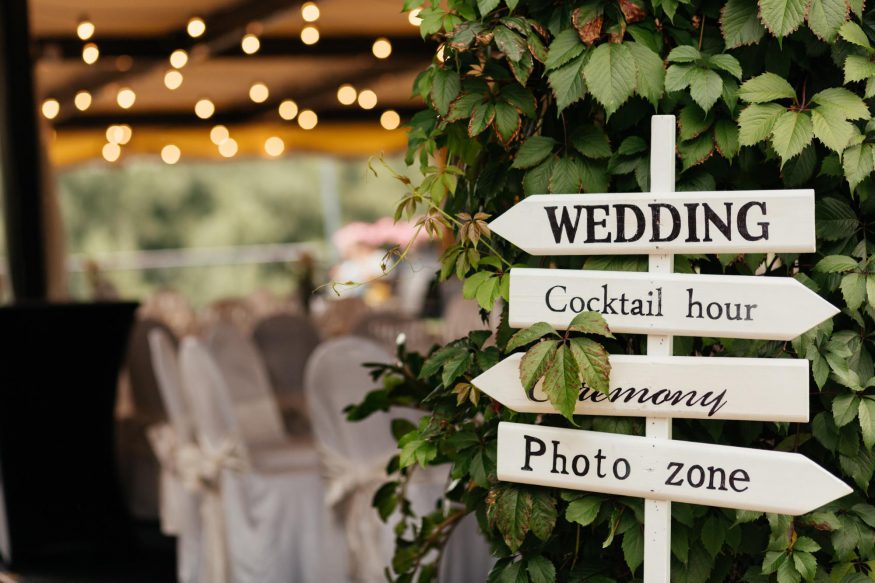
(744, 221)
(662, 469)
(727, 306)
(672, 386)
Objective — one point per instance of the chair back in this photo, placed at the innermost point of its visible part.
(247, 381)
(145, 391)
(285, 342)
(165, 362)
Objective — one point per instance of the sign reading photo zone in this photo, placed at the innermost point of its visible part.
(640, 223)
(726, 306)
(662, 469)
(672, 386)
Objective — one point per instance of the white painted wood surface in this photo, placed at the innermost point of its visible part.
(663, 469)
(761, 389)
(725, 306)
(657, 513)
(758, 221)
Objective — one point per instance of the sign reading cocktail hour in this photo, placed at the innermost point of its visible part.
(682, 222)
(727, 306)
(672, 386)
(663, 469)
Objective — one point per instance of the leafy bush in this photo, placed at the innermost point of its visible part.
(556, 96)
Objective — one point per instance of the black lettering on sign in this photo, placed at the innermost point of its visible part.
(531, 452)
(671, 481)
(738, 476)
(714, 478)
(564, 224)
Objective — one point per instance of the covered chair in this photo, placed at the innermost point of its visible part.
(263, 523)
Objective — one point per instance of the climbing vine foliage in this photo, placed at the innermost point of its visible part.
(555, 96)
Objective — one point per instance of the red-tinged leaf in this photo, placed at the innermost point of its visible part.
(562, 382)
(590, 323)
(535, 361)
(530, 334)
(593, 363)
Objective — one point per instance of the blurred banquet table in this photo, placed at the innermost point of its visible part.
(59, 366)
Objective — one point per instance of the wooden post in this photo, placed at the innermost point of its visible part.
(657, 513)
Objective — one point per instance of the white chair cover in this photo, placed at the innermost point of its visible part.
(275, 528)
(246, 377)
(179, 502)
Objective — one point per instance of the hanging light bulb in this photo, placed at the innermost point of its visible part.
(111, 152)
(308, 119)
(178, 59)
(367, 99)
(250, 44)
(51, 108)
(382, 48)
(310, 35)
(172, 79)
(204, 108)
(90, 53)
(228, 148)
(274, 146)
(288, 109)
(219, 134)
(346, 94)
(126, 97)
(196, 27)
(85, 29)
(310, 12)
(259, 92)
(125, 134)
(170, 154)
(390, 120)
(82, 101)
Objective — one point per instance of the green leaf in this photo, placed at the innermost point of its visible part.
(829, 127)
(836, 264)
(567, 83)
(611, 75)
(851, 32)
(726, 138)
(858, 68)
(530, 334)
(706, 87)
(591, 141)
(677, 77)
(590, 323)
(566, 46)
(787, 572)
(858, 163)
(805, 564)
(562, 382)
(541, 570)
(764, 88)
(834, 219)
(543, 514)
(713, 535)
(481, 116)
(696, 151)
(650, 79)
(593, 363)
(791, 133)
(438, 359)
(726, 63)
(565, 178)
(843, 102)
(584, 510)
(510, 43)
(755, 122)
(866, 415)
(740, 23)
(487, 6)
(513, 513)
(805, 544)
(633, 547)
(692, 121)
(533, 151)
(507, 121)
(535, 362)
(536, 180)
(684, 54)
(455, 367)
(782, 17)
(825, 17)
(845, 408)
(853, 287)
(444, 89)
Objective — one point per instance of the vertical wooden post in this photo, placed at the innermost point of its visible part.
(657, 513)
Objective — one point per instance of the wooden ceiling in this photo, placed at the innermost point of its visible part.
(136, 38)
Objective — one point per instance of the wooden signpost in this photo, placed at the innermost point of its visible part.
(662, 469)
(672, 386)
(723, 306)
(660, 386)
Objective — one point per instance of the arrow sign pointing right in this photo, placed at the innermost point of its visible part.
(663, 469)
(765, 389)
(723, 306)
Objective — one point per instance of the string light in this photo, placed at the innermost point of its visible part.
(413, 18)
(204, 109)
(250, 44)
(308, 119)
(196, 27)
(219, 134)
(274, 146)
(259, 93)
(126, 97)
(126, 133)
(367, 99)
(172, 79)
(90, 53)
(170, 154)
(228, 148)
(82, 101)
(124, 63)
(51, 108)
(111, 152)
(85, 29)
(390, 120)
(310, 35)
(288, 109)
(346, 94)
(382, 48)
(178, 59)
(310, 12)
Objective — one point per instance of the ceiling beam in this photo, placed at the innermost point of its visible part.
(224, 26)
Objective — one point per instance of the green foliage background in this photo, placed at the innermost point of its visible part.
(556, 96)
